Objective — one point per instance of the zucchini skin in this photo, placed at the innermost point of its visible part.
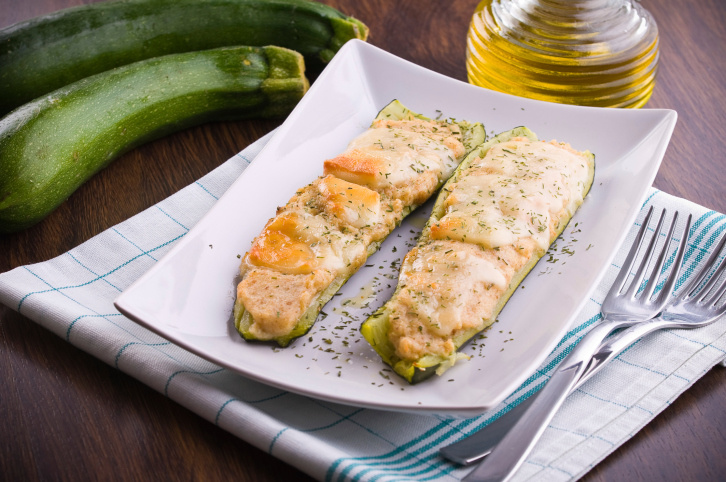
(45, 53)
(473, 135)
(375, 328)
(50, 146)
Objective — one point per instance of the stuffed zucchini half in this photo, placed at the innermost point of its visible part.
(493, 220)
(330, 227)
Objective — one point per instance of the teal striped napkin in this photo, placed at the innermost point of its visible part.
(72, 295)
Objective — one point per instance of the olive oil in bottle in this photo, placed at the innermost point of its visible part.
(586, 52)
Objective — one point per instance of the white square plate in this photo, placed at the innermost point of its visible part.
(187, 297)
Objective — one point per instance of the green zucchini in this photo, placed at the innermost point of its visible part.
(375, 329)
(42, 54)
(50, 146)
(472, 134)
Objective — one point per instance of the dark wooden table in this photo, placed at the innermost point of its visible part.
(67, 416)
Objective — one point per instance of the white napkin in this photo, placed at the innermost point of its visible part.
(72, 296)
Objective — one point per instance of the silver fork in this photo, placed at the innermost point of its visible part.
(619, 310)
(686, 311)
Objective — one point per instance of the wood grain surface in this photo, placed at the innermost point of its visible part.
(67, 416)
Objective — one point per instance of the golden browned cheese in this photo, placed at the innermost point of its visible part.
(503, 210)
(404, 160)
(325, 230)
(353, 205)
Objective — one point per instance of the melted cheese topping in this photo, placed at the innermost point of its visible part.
(512, 193)
(445, 286)
(394, 153)
(456, 274)
(297, 242)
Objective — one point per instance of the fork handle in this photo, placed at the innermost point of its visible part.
(480, 444)
(509, 455)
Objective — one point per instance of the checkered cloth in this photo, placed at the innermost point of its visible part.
(72, 295)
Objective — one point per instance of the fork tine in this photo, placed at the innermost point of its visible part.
(719, 292)
(692, 285)
(655, 273)
(678, 263)
(630, 259)
(716, 275)
(635, 286)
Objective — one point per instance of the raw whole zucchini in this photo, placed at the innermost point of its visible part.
(50, 146)
(472, 135)
(42, 54)
(377, 328)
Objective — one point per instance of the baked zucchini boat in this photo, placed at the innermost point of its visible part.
(493, 220)
(330, 227)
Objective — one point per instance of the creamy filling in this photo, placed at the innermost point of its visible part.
(444, 287)
(446, 282)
